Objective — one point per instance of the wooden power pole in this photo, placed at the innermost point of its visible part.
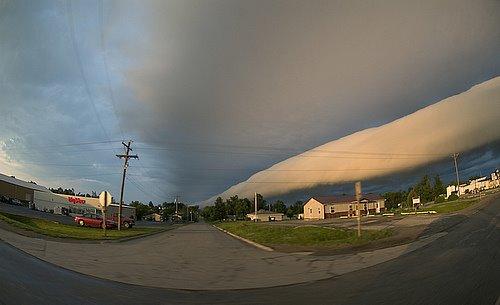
(125, 158)
(357, 188)
(255, 203)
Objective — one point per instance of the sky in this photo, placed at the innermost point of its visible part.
(212, 92)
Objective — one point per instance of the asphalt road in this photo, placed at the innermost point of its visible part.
(462, 267)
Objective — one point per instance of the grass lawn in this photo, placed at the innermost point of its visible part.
(55, 229)
(450, 206)
(302, 235)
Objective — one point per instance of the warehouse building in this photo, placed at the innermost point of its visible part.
(337, 206)
(40, 198)
(12, 188)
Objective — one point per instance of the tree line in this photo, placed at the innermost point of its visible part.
(71, 192)
(237, 208)
(427, 189)
(166, 210)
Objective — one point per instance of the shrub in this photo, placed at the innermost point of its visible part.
(452, 197)
(439, 199)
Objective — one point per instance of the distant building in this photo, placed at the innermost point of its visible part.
(42, 199)
(337, 206)
(12, 188)
(476, 185)
(263, 215)
(154, 217)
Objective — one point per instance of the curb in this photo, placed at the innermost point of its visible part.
(257, 245)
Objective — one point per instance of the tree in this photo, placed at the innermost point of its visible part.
(220, 212)
(208, 213)
(394, 199)
(242, 208)
(474, 177)
(231, 205)
(261, 202)
(279, 206)
(438, 187)
(424, 190)
(141, 209)
(295, 209)
(168, 209)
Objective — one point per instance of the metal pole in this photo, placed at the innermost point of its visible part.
(455, 156)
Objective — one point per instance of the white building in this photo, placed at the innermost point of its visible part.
(75, 205)
(476, 185)
(263, 215)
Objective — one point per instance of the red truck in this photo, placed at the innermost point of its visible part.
(95, 221)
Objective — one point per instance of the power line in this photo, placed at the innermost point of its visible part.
(355, 155)
(141, 187)
(282, 149)
(105, 62)
(62, 145)
(71, 21)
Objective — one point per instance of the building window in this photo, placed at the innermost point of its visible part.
(332, 210)
(319, 211)
(310, 211)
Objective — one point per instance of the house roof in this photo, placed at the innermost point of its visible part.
(345, 198)
(22, 183)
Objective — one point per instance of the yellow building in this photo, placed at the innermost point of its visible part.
(337, 206)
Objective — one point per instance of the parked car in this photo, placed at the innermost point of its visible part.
(126, 222)
(94, 221)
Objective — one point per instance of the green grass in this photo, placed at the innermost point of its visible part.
(450, 206)
(55, 229)
(302, 235)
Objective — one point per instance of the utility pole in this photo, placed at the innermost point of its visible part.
(455, 156)
(176, 200)
(255, 201)
(125, 158)
(357, 188)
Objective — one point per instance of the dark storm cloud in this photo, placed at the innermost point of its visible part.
(296, 74)
(194, 80)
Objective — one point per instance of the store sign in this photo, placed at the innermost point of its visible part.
(76, 200)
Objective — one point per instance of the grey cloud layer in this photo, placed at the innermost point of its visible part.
(457, 124)
(298, 74)
(242, 73)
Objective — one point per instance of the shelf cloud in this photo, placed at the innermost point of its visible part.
(457, 124)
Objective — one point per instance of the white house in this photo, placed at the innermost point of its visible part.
(476, 185)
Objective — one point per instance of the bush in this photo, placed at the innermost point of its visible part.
(439, 199)
(453, 197)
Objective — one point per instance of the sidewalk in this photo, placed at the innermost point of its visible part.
(199, 257)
